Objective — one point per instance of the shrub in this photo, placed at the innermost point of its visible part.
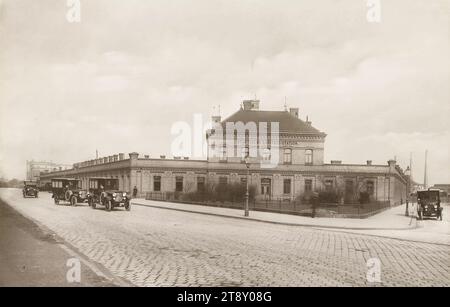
(234, 192)
(328, 197)
(364, 197)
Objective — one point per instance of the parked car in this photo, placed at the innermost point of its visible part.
(106, 192)
(30, 189)
(429, 204)
(68, 190)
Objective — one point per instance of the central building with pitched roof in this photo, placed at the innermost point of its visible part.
(281, 155)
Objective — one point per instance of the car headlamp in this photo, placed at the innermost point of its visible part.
(124, 194)
(426, 207)
(114, 194)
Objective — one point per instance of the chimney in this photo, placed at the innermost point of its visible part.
(308, 122)
(392, 162)
(250, 105)
(133, 155)
(216, 119)
(162, 156)
(336, 162)
(294, 112)
(369, 162)
(146, 156)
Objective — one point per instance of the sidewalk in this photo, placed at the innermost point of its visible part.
(391, 219)
(31, 256)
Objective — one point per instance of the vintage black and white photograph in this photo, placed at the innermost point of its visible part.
(244, 144)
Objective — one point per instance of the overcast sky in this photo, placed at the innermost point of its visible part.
(120, 78)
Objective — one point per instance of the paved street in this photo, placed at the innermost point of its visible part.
(158, 247)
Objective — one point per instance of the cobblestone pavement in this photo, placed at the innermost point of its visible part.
(157, 247)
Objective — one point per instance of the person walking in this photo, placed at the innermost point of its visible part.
(135, 191)
(314, 202)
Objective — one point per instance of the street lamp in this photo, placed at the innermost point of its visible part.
(408, 190)
(247, 164)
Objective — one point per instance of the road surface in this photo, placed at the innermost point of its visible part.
(158, 247)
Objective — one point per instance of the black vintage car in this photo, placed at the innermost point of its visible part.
(30, 189)
(429, 204)
(68, 190)
(105, 192)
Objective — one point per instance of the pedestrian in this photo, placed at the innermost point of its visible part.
(135, 191)
(314, 202)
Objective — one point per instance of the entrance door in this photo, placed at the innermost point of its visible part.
(266, 189)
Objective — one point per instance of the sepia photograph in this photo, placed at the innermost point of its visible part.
(224, 149)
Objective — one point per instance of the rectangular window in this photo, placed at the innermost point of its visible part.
(243, 180)
(223, 180)
(287, 156)
(349, 187)
(287, 186)
(200, 184)
(156, 183)
(308, 185)
(370, 187)
(328, 185)
(308, 157)
(179, 184)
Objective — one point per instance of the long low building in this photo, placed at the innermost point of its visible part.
(299, 170)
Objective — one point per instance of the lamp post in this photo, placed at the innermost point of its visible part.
(247, 164)
(408, 190)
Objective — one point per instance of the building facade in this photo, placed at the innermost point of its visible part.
(35, 168)
(300, 166)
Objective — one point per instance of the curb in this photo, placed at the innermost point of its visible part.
(273, 222)
(72, 251)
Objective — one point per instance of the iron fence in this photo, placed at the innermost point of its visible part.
(281, 205)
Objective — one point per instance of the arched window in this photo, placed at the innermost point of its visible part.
(287, 156)
(308, 157)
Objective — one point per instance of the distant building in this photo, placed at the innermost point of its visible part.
(300, 166)
(443, 187)
(35, 168)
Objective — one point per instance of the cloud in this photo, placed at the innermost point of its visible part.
(118, 80)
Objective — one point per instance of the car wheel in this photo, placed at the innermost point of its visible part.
(127, 206)
(108, 205)
(73, 201)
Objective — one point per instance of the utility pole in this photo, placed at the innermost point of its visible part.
(425, 176)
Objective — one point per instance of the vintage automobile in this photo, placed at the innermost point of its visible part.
(105, 192)
(429, 204)
(68, 190)
(30, 189)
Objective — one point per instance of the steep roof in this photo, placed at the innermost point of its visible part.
(288, 122)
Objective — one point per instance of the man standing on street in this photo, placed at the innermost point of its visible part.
(135, 191)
